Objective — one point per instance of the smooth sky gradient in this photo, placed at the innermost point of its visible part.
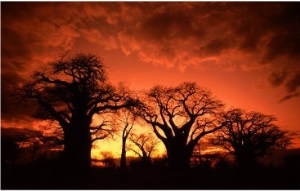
(247, 54)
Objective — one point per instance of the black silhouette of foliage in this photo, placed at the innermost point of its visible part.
(249, 135)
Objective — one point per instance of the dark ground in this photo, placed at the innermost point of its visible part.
(28, 177)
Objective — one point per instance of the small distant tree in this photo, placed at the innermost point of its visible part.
(196, 158)
(36, 145)
(72, 91)
(108, 159)
(13, 140)
(145, 144)
(249, 135)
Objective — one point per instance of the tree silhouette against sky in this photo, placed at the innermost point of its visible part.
(126, 121)
(180, 117)
(249, 135)
(144, 146)
(71, 92)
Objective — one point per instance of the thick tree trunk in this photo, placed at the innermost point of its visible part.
(246, 160)
(178, 156)
(78, 148)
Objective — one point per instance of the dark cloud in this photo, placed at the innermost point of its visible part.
(11, 109)
(215, 28)
(31, 34)
(287, 14)
(14, 44)
(289, 96)
(291, 83)
(286, 43)
(294, 82)
(207, 24)
(280, 20)
(167, 25)
(19, 134)
(277, 78)
(294, 134)
(216, 46)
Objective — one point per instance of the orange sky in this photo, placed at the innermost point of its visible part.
(246, 53)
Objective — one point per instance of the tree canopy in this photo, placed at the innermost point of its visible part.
(249, 135)
(71, 91)
(180, 117)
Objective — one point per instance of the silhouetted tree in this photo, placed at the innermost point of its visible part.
(16, 140)
(180, 117)
(108, 159)
(249, 135)
(127, 121)
(71, 92)
(196, 158)
(12, 138)
(146, 143)
(105, 127)
(36, 144)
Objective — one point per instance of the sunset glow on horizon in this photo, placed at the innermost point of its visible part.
(247, 54)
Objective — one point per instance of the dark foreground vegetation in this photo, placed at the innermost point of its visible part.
(52, 177)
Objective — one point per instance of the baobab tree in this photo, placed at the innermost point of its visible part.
(71, 91)
(180, 117)
(249, 135)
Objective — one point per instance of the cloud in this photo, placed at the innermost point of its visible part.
(215, 47)
(32, 34)
(294, 133)
(174, 35)
(294, 82)
(277, 78)
(166, 23)
(178, 33)
(289, 96)
(163, 28)
(290, 80)
(169, 34)
(19, 134)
